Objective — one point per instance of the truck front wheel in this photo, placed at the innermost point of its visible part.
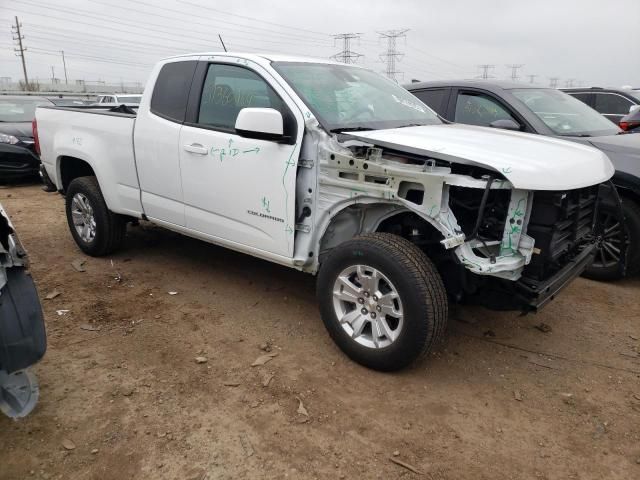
(96, 229)
(382, 300)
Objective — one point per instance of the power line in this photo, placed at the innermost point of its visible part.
(347, 55)
(253, 19)
(391, 56)
(485, 67)
(18, 37)
(514, 70)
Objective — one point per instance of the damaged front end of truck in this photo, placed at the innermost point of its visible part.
(496, 237)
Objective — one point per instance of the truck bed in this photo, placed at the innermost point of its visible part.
(100, 136)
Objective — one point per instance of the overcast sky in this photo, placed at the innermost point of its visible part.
(593, 42)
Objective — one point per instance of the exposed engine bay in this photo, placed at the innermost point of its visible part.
(501, 246)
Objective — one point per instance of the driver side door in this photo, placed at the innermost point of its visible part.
(238, 191)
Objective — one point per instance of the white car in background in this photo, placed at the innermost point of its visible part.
(132, 100)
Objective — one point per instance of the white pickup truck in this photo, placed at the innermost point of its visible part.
(333, 169)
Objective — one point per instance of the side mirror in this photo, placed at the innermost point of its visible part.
(634, 108)
(261, 123)
(506, 124)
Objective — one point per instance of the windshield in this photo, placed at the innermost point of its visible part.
(343, 97)
(19, 109)
(128, 99)
(635, 94)
(564, 114)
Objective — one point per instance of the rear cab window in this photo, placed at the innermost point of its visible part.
(171, 90)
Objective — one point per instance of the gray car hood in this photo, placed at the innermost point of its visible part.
(625, 143)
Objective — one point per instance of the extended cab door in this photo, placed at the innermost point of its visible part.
(239, 191)
(157, 142)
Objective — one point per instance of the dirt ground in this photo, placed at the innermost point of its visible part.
(500, 399)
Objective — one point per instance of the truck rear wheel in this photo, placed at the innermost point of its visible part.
(382, 300)
(96, 229)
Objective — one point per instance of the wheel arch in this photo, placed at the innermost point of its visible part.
(70, 167)
(360, 217)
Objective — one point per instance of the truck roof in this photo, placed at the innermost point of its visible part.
(262, 57)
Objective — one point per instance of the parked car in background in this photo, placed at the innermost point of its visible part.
(23, 340)
(334, 170)
(613, 103)
(550, 112)
(18, 157)
(631, 122)
(119, 99)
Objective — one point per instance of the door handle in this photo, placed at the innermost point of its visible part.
(196, 148)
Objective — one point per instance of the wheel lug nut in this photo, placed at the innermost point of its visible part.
(364, 311)
(366, 294)
(361, 300)
(375, 298)
(379, 308)
(373, 314)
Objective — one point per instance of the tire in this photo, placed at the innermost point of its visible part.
(416, 319)
(608, 270)
(105, 234)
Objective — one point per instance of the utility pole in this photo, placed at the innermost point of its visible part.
(53, 75)
(553, 82)
(347, 55)
(391, 56)
(514, 70)
(17, 36)
(64, 64)
(485, 67)
(532, 78)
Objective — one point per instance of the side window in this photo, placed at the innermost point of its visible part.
(171, 90)
(610, 103)
(479, 109)
(228, 89)
(434, 98)
(583, 97)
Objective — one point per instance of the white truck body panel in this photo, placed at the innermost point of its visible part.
(103, 141)
(528, 161)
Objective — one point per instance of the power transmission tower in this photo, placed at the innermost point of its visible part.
(391, 56)
(553, 82)
(347, 55)
(485, 67)
(569, 82)
(18, 37)
(532, 78)
(514, 70)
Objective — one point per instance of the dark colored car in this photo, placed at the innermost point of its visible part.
(613, 103)
(23, 339)
(631, 123)
(18, 157)
(546, 111)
